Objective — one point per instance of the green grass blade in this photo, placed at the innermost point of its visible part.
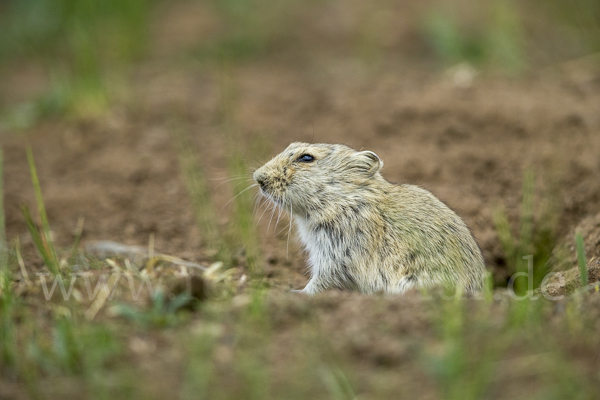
(537, 237)
(77, 241)
(38, 241)
(581, 259)
(3, 246)
(197, 187)
(526, 217)
(4, 272)
(47, 244)
(243, 221)
(507, 240)
(337, 383)
(38, 191)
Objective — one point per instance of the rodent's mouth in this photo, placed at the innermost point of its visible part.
(275, 199)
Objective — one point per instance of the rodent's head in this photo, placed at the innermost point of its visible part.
(311, 176)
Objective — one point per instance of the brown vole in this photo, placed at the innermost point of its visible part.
(364, 233)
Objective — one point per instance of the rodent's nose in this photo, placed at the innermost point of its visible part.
(260, 177)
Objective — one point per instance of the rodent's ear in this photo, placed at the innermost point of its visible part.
(369, 162)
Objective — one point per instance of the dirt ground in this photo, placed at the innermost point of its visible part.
(469, 146)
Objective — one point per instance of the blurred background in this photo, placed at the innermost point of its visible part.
(77, 58)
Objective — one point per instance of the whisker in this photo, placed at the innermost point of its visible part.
(239, 183)
(271, 219)
(227, 181)
(256, 202)
(283, 230)
(225, 175)
(279, 216)
(257, 220)
(287, 248)
(239, 194)
(263, 213)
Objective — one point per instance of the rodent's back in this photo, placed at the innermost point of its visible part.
(441, 247)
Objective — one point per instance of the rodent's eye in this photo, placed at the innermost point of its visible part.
(305, 158)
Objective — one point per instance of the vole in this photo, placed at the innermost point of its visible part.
(364, 233)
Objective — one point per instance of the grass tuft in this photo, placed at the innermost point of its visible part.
(7, 327)
(529, 253)
(42, 239)
(581, 260)
(4, 271)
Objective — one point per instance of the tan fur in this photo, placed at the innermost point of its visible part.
(364, 233)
